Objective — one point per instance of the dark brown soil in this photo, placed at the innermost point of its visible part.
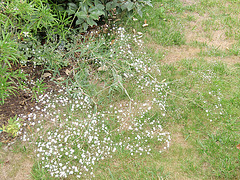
(24, 102)
(21, 103)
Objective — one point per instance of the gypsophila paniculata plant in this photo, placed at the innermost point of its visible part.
(79, 135)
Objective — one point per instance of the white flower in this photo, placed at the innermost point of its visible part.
(25, 34)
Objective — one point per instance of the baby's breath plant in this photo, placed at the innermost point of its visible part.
(75, 135)
(82, 137)
(109, 59)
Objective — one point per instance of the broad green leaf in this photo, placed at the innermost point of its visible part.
(79, 21)
(139, 11)
(85, 26)
(111, 5)
(129, 5)
(95, 15)
(81, 14)
(91, 22)
(72, 7)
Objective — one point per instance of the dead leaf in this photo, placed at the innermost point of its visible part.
(163, 81)
(60, 79)
(67, 72)
(7, 161)
(139, 33)
(238, 146)
(29, 128)
(112, 42)
(45, 75)
(102, 68)
(135, 19)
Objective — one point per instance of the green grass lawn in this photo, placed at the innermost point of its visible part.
(168, 107)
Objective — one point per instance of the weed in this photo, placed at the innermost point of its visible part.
(13, 126)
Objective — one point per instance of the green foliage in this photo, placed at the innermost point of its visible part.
(6, 87)
(224, 164)
(8, 81)
(39, 172)
(24, 16)
(9, 55)
(13, 127)
(38, 88)
(22, 23)
(163, 27)
(128, 5)
(38, 31)
(8, 50)
(88, 12)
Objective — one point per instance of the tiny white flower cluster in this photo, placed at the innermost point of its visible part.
(160, 90)
(122, 48)
(214, 111)
(26, 34)
(136, 130)
(74, 146)
(77, 137)
(207, 76)
(78, 141)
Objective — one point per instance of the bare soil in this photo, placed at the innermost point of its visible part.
(23, 102)
(15, 166)
(176, 53)
(188, 2)
(194, 31)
